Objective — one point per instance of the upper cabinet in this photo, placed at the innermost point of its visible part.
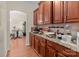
(44, 14)
(35, 16)
(55, 12)
(41, 16)
(58, 9)
(71, 11)
(48, 15)
(38, 17)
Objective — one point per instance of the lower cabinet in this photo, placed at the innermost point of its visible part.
(37, 44)
(32, 41)
(50, 52)
(42, 50)
(67, 52)
(42, 46)
(46, 48)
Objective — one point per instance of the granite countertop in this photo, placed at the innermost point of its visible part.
(58, 41)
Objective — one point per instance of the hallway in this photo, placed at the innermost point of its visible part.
(19, 49)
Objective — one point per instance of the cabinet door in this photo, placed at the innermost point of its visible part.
(42, 50)
(33, 43)
(35, 17)
(50, 52)
(58, 9)
(48, 12)
(37, 43)
(32, 40)
(40, 13)
(42, 46)
(72, 11)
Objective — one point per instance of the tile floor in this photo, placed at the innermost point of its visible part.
(19, 49)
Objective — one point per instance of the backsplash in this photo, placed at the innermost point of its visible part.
(73, 28)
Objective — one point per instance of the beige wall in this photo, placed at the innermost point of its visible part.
(26, 7)
(3, 28)
(5, 8)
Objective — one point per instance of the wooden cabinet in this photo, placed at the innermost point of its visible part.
(58, 50)
(35, 16)
(58, 9)
(67, 12)
(47, 48)
(37, 44)
(42, 50)
(48, 12)
(68, 52)
(38, 17)
(42, 47)
(50, 52)
(44, 14)
(32, 41)
(50, 49)
(41, 13)
(71, 11)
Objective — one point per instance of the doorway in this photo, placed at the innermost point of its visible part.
(17, 30)
(17, 24)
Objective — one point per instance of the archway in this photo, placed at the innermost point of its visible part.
(18, 21)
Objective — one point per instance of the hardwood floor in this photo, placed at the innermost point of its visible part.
(19, 49)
